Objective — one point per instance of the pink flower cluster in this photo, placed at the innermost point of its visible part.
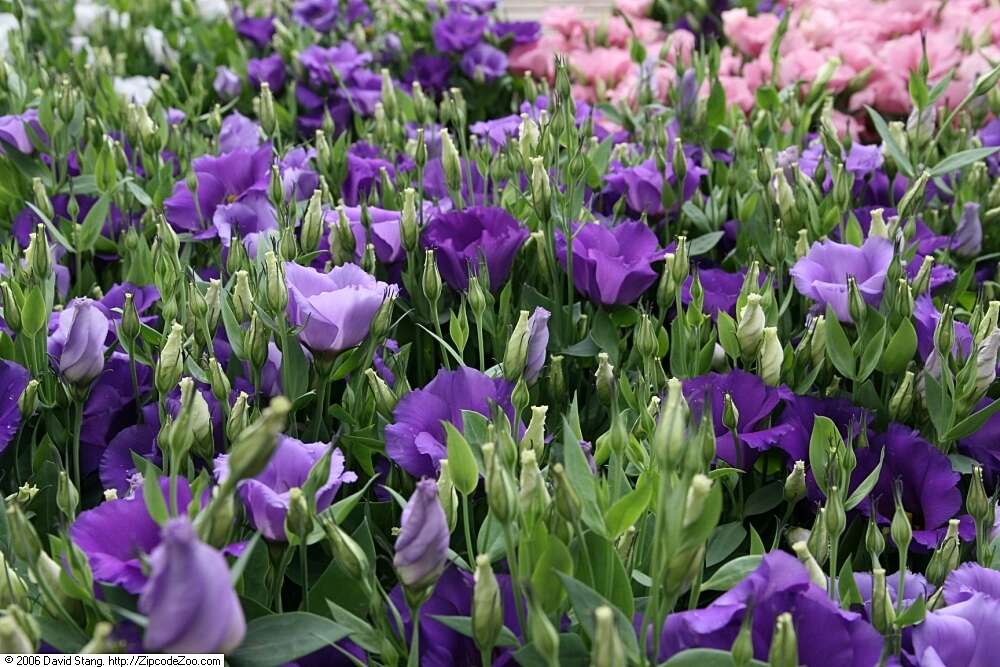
(598, 51)
(876, 39)
(877, 44)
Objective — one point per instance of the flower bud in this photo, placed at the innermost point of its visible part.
(784, 644)
(914, 197)
(529, 136)
(605, 376)
(543, 635)
(900, 530)
(533, 497)
(37, 256)
(698, 492)
(541, 189)
(12, 587)
(750, 327)
(795, 483)
(567, 501)
(298, 520)
(171, 362)
(856, 304)
(922, 282)
(102, 641)
(253, 448)
(944, 332)
(671, 430)
(946, 557)
(451, 163)
(883, 613)
(432, 278)
(816, 575)
(15, 638)
(819, 537)
(237, 420)
(67, 497)
(534, 435)
(517, 348)
(41, 197)
(608, 650)
(385, 399)
(682, 263)
(347, 552)
(772, 356)
(213, 304)
(11, 310)
(23, 537)
(817, 348)
(646, 343)
(448, 495)
(986, 364)
(500, 493)
(742, 648)
(265, 110)
(836, 517)
(28, 402)
(487, 609)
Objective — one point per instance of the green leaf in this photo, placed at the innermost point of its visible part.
(629, 509)
(547, 589)
(572, 653)
(894, 150)
(704, 243)
(865, 487)
(899, 352)
(913, 614)
(756, 544)
(62, 636)
(971, 424)
(461, 462)
(849, 594)
(824, 437)
(463, 626)
(764, 499)
(585, 600)
(93, 223)
(724, 541)
(727, 334)
(152, 494)
(715, 108)
(609, 577)
(956, 161)
(838, 348)
(732, 572)
(582, 479)
(706, 657)
(871, 354)
(281, 638)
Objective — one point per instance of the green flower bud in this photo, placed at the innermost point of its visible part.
(795, 483)
(698, 492)
(946, 557)
(681, 267)
(312, 223)
(883, 613)
(487, 608)
(409, 229)
(101, 642)
(986, 364)
(24, 539)
(12, 587)
(28, 402)
(517, 348)
(37, 255)
(608, 650)
(856, 304)
(448, 495)
(878, 226)
(900, 530)
(836, 517)
(171, 362)
(265, 110)
(742, 648)
(67, 497)
(817, 347)
(874, 541)
(772, 356)
(254, 446)
(534, 435)
(275, 291)
(784, 644)
(529, 136)
(242, 297)
(670, 435)
(385, 399)
(347, 552)
(213, 304)
(41, 197)
(977, 503)
(557, 379)
(922, 282)
(432, 278)
(501, 496)
(819, 537)
(14, 637)
(567, 501)
(646, 343)
(533, 497)
(914, 197)
(541, 189)
(605, 378)
(750, 327)
(450, 162)
(221, 387)
(237, 420)
(816, 575)
(11, 309)
(288, 246)
(543, 635)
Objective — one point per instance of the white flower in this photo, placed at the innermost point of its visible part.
(136, 89)
(158, 47)
(8, 24)
(89, 17)
(212, 9)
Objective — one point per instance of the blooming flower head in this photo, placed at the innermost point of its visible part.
(320, 15)
(189, 599)
(269, 70)
(484, 63)
(460, 239)
(258, 30)
(963, 634)
(335, 309)
(422, 545)
(77, 346)
(416, 439)
(458, 32)
(227, 83)
(13, 379)
(612, 265)
(822, 274)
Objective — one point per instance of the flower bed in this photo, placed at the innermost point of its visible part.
(339, 333)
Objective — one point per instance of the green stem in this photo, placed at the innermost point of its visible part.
(304, 561)
(321, 386)
(467, 526)
(77, 423)
(508, 538)
(413, 659)
(479, 339)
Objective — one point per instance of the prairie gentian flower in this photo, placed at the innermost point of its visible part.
(925, 320)
(239, 132)
(641, 186)
(422, 545)
(335, 309)
(298, 178)
(822, 274)
(189, 598)
(461, 238)
(930, 486)
(13, 379)
(320, 15)
(430, 71)
(269, 70)
(984, 444)
(258, 30)
(223, 181)
(266, 496)
(518, 32)
(827, 635)
(77, 346)
(227, 83)
(458, 32)
(364, 165)
(800, 414)
(612, 266)
(484, 63)
(754, 400)
(970, 579)
(967, 240)
(497, 130)
(721, 290)
(14, 131)
(963, 634)
(117, 465)
(416, 438)
(538, 342)
(110, 407)
(344, 58)
(116, 534)
(383, 233)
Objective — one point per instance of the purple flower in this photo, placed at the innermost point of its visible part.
(364, 166)
(430, 71)
(77, 346)
(320, 15)
(538, 341)
(14, 131)
(13, 380)
(298, 178)
(990, 136)
(460, 239)
(970, 579)
(458, 32)
(251, 219)
(227, 83)
(518, 32)
(925, 320)
(641, 186)
(800, 414)
(189, 599)
(498, 130)
(863, 159)
(422, 545)
(117, 467)
(827, 635)
(257, 30)
(984, 444)
(721, 290)
(383, 233)
(755, 402)
(344, 58)
(960, 635)
(484, 63)
(967, 241)
(612, 265)
(269, 70)
(222, 182)
(822, 274)
(930, 486)
(266, 496)
(335, 309)
(117, 534)
(110, 407)
(237, 132)
(415, 439)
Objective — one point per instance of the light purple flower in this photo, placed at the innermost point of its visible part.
(822, 274)
(538, 341)
(484, 63)
(237, 132)
(227, 83)
(269, 70)
(458, 32)
(967, 241)
(422, 545)
(964, 634)
(612, 265)
(77, 346)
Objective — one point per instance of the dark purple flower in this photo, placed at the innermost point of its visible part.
(827, 635)
(77, 346)
(984, 444)
(721, 290)
(641, 186)
(415, 439)
(117, 534)
(298, 178)
(822, 274)
(257, 30)
(335, 309)
(227, 83)
(518, 32)
(538, 342)
(222, 181)
(13, 380)
(755, 402)
(484, 63)
(269, 70)
(460, 239)
(344, 58)
(320, 15)
(612, 265)
(930, 486)
(117, 466)
(800, 413)
(925, 321)
(189, 599)
(432, 72)
(110, 407)
(436, 186)
(266, 496)
(14, 131)
(238, 132)
(364, 166)
(421, 550)
(458, 32)
(967, 241)
(959, 635)
(498, 130)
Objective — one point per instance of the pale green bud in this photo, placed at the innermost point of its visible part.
(883, 612)
(815, 572)
(432, 277)
(878, 226)
(348, 553)
(608, 650)
(534, 435)
(772, 355)
(698, 492)
(795, 483)
(171, 362)
(450, 162)
(784, 644)
(750, 326)
(254, 446)
(312, 223)
(517, 348)
(487, 608)
(670, 435)
(533, 497)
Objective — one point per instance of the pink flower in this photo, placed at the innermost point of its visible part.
(749, 34)
(636, 8)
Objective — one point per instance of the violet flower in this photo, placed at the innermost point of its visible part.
(320, 15)
(458, 32)
(269, 70)
(517, 32)
(13, 380)
(538, 342)
(822, 274)
(334, 310)
(963, 634)
(189, 599)
(432, 72)
(227, 83)
(460, 239)
(484, 63)
(239, 132)
(77, 346)
(421, 549)
(416, 439)
(967, 241)
(258, 30)
(612, 266)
